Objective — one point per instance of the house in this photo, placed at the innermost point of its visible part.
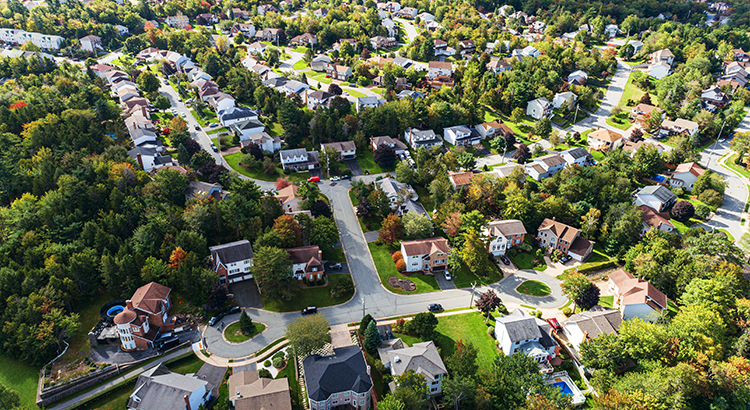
(126, 93)
(289, 200)
(232, 261)
(338, 380)
(367, 102)
(504, 235)
(498, 65)
(659, 70)
(427, 255)
(398, 146)
(460, 179)
(206, 19)
(563, 99)
(122, 30)
(578, 77)
(641, 113)
(492, 129)
(320, 13)
(425, 17)
(158, 388)
(442, 50)
(337, 45)
(637, 46)
(180, 21)
(528, 51)
(403, 62)
(306, 40)
(18, 37)
(680, 126)
(656, 196)
(266, 8)
(141, 136)
(604, 140)
(661, 56)
(91, 43)
(421, 138)
(247, 128)
(437, 69)
(240, 14)
(422, 358)
(390, 27)
(275, 35)
(299, 159)
(545, 166)
(345, 149)
(396, 192)
(338, 72)
(632, 147)
(266, 142)
(685, 175)
(539, 108)
(414, 95)
(148, 158)
(256, 48)
(233, 115)
(655, 220)
(577, 156)
(391, 7)
(566, 239)
(611, 30)
(293, 87)
(741, 55)
(460, 135)
(205, 190)
(635, 297)
(407, 12)
(380, 42)
(467, 47)
(144, 318)
(714, 95)
(319, 63)
(249, 391)
(588, 325)
(246, 29)
(307, 262)
(317, 99)
(521, 332)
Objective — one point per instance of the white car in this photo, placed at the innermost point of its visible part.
(448, 275)
(335, 178)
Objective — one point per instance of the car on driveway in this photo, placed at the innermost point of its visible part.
(310, 310)
(213, 147)
(565, 258)
(214, 320)
(554, 324)
(233, 310)
(435, 307)
(313, 179)
(335, 179)
(197, 127)
(447, 275)
(346, 177)
(335, 266)
(505, 260)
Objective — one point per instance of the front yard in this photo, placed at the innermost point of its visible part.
(257, 173)
(381, 255)
(367, 162)
(317, 296)
(619, 121)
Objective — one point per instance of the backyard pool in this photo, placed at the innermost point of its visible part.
(114, 310)
(564, 388)
(567, 387)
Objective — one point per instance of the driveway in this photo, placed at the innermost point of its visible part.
(247, 294)
(372, 236)
(353, 166)
(444, 283)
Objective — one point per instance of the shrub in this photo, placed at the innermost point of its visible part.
(265, 373)
(491, 331)
(400, 265)
(526, 247)
(396, 256)
(567, 312)
(702, 211)
(267, 363)
(398, 327)
(339, 289)
(538, 314)
(502, 310)
(683, 211)
(279, 354)
(711, 198)
(407, 328)
(278, 362)
(380, 367)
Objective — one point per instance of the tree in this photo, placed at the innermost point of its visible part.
(683, 211)
(272, 272)
(238, 39)
(452, 224)
(411, 389)
(424, 324)
(372, 338)
(335, 89)
(289, 230)
(645, 99)
(543, 127)
(514, 379)
(589, 222)
(308, 192)
(324, 233)
(463, 362)
(9, 399)
(307, 334)
(636, 135)
(390, 402)
(602, 352)
(320, 208)
(417, 226)
(741, 145)
(282, 183)
(162, 102)
(147, 82)
(516, 116)
(709, 180)
(575, 285)
(385, 156)
(589, 298)
(246, 324)
(474, 252)
(466, 160)
(460, 391)
(365, 323)
(341, 289)
(522, 153)
(648, 162)
(488, 302)
(218, 297)
(327, 157)
(391, 229)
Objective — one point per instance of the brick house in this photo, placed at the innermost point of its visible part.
(566, 239)
(428, 255)
(144, 317)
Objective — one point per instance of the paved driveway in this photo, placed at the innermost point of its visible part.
(443, 283)
(247, 294)
(353, 166)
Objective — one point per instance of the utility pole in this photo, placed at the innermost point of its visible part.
(576, 115)
(473, 286)
(363, 306)
(715, 142)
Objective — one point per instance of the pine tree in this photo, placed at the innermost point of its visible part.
(246, 324)
(372, 338)
(365, 323)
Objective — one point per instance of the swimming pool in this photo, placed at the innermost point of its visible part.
(564, 388)
(114, 310)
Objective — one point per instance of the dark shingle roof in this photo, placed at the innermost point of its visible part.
(660, 192)
(521, 326)
(232, 252)
(345, 370)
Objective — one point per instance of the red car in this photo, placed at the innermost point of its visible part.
(555, 324)
(313, 179)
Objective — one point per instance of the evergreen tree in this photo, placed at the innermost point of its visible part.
(246, 324)
(372, 338)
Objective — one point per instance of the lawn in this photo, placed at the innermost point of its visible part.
(216, 130)
(620, 121)
(355, 93)
(606, 301)
(208, 117)
(89, 317)
(301, 65)
(291, 375)
(320, 77)
(380, 91)
(598, 155)
(300, 49)
(533, 288)
(189, 363)
(318, 296)
(334, 255)
(235, 335)
(381, 255)
(729, 235)
(366, 161)
(465, 277)
(21, 377)
(632, 92)
(275, 130)
(684, 227)
(257, 173)
(522, 260)
(424, 198)
(736, 168)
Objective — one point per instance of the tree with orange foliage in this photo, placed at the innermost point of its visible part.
(391, 230)
(178, 256)
(452, 224)
(282, 183)
(289, 230)
(400, 265)
(396, 256)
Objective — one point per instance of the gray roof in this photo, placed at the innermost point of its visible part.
(250, 124)
(411, 206)
(144, 151)
(403, 62)
(599, 320)
(576, 152)
(421, 357)
(661, 193)
(289, 153)
(233, 113)
(232, 251)
(551, 160)
(196, 188)
(520, 326)
(320, 95)
(388, 345)
(368, 100)
(506, 227)
(412, 94)
(389, 186)
(275, 82)
(160, 389)
(136, 133)
(345, 370)
(213, 375)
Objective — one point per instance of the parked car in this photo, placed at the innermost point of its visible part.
(343, 177)
(214, 320)
(213, 147)
(310, 310)
(335, 266)
(313, 179)
(233, 310)
(164, 336)
(565, 258)
(435, 307)
(213, 125)
(197, 127)
(168, 344)
(447, 275)
(335, 179)
(555, 324)
(505, 260)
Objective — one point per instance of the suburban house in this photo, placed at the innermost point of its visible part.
(521, 332)
(460, 135)
(267, 8)
(661, 56)
(632, 147)
(207, 18)
(437, 69)
(655, 220)
(337, 45)
(442, 50)
(587, 325)
(656, 196)
(240, 14)
(20, 37)
(205, 190)
(320, 13)
(577, 156)
(428, 255)
(563, 98)
(635, 297)
(180, 21)
(307, 262)
(407, 12)
(566, 239)
(611, 30)
(498, 65)
(419, 138)
(460, 179)
(637, 46)
(713, 95)
(685, 175)
(545, 166)
(158, 388)
(741, 55)
(305, 40)
(299, 159)
(422, 358)
(148, 157)
(641, 113)
(396, 192)
(539, 108)
(246, 29)
(264, 140)
(504, 235)
(338, 380)
(320, 63)
(247, 128)
(680, 126)
(380, 42)
(492, 129)
(367, 102)
(528, 51)
(338, 72)
(91, 43)
(233, 115)
(256, 48)
(604, 140)
(232, 261)
(391, 7)
(425, 16)
(345, 149)
(403, 62)
(578, 77)
(249, 391)
(290, 202)
(398, 146)
(659, 70)
(318, 98)
(467, 46)
(390, 26)
(274, 35)
(144, 317)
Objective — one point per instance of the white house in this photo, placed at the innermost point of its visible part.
(428, 255)
(504, 235)
(637, 46)
(680, 126)
(398, 146)
(604, 140)
(588, 325)
(539, 108)
(122, 30)
(426, 16)
(659, 70)
(460, 135)
(256, 48)
(91, 43)
(563, 99)
(147, 156)
(179, 21)
(263, 140)
(655, 196)
(396, 192)
(419, 138)
(232, 261)
(299, 159)
(345, 149)
(545, 166)
(635, 297)
(577, 156)
(439, 69)
(317, 99)
(247, 128)
(685, 175)
(528, 51)
(422, 358)
(661, 56)
(578, 77)
(521, 332)
(442, 50)
(234, 115)
(18, 37)
(366, 102)
(158, 386)
(611, 30)
(655, 220)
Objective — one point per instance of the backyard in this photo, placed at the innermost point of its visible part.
(20, 377)
(317, 296)
(632, 92)
(381, 255)
(366, 161)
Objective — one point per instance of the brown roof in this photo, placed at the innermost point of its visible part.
(605, 135)
(460, 178)
(304, 254)
(149, 297)
(559, 229)
(653, 218)
(124, 317)
(637, 291)
(631, 146)
(645, 108)
(426, 246)
(259, 393)
(506, 227)
(287, 194)
(341, 146)
(397, 145)
(619, 277)
(580, 246)
(440, 65)
(690, 167)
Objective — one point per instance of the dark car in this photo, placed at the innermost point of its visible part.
(335, 266)
(346, 177)
(565, 259)
(234, 309)
(213, 147)
(310, 310)
(436, 307)
(214, 320)
(555, 324)
(168, 343)
(505, 260)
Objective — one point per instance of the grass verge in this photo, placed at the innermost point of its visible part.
(235, 335)
(318, 296)
(533, 288)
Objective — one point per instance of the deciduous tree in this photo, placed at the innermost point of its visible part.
(488, 302)
(391, 230)
(307, 334)
(272, 272)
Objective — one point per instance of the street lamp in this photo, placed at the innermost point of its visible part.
(363, 306)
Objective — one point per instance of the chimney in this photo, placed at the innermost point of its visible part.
(140, 159)
(554, 218)
(129, 304)
(187, 402)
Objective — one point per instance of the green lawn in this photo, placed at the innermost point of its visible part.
(684, 227)
(620, 122)
(380, 91)
(208, 116)
(291, 375)
(522, 260)
(319, 296)
(257, 173)
(334, 255)
(300, 49)
(632, 92)
(321, 77)
(424, 198)
(234, 335)
(190, 363)
(275, 130)
(355, 93)
(89, 317)
(606, 301)
(534, 288)
(21, 377)
(729, 235)
(301, 65)
(366, 161)
(381, 255)
(465, 277)
(736, 168)
(598, 155)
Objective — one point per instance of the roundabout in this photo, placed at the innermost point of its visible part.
(233, 334)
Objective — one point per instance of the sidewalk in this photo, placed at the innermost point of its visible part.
(225, 362)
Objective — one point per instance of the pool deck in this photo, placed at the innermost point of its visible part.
(575, 392)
